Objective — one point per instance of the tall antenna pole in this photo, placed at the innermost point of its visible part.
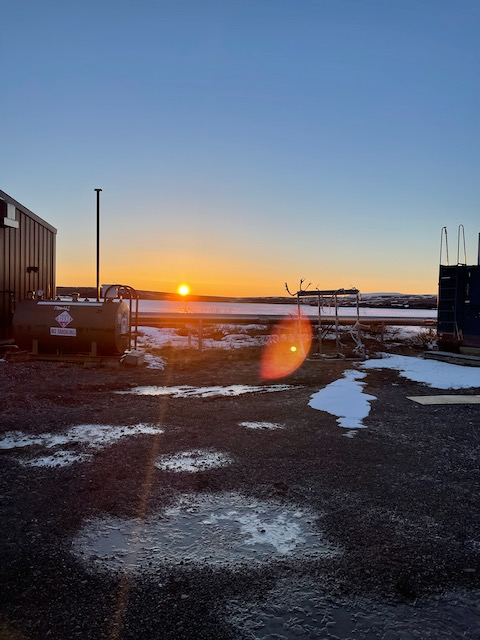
(98, 243)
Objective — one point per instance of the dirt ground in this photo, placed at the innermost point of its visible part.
(399, 501)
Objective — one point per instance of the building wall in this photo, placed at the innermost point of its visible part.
(27, 255)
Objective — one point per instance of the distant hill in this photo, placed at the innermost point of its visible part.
(399, 300)
(91, 292)
(375, 300)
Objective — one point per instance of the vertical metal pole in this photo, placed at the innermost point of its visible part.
(337, 336)
(319, 325)
(478, 261)
(98, 243)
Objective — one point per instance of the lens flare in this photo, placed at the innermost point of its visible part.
(183, 289)
(287, 348)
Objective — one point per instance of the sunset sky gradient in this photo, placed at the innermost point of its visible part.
(242, 144)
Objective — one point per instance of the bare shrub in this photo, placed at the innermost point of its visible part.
(423, 339)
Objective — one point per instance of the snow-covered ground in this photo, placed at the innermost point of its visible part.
(78, 444)
(231, 337)
(346, 399)
(228, 529)
(205, 392)
(439, 375)
(152, 339)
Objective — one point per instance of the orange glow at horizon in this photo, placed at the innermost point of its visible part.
(231, 281)
(288, 346)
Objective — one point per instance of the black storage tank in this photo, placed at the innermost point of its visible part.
(56, 326)
(459, 306)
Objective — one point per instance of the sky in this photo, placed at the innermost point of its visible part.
(242, 144)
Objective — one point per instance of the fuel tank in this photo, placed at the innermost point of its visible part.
(54, 326)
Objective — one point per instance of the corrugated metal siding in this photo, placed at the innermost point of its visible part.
(31, 245)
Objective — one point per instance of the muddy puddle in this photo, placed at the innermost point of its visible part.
(301, 609)
(222, 529)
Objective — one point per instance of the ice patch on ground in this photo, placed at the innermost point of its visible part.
(440, 375)
(345, 399)
(262, 425)
(93, 437)
(221, 529)
(193, 461)
(299, 608)
(154, 362)
(186, 391)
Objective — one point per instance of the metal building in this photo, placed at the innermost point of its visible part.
(27, 258)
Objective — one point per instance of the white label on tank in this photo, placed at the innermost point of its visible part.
(64, 319)
(124, 325)
(62, 331)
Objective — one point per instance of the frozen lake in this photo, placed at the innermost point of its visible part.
(153, 307)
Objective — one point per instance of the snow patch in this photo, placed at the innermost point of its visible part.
(436, 374)
(186, 391)
(93, 437)
(261, 425)
(345, 399)
(193, 461)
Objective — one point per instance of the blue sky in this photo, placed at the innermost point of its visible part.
(244, 143)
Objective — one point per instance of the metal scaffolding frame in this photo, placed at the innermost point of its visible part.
(333, 295)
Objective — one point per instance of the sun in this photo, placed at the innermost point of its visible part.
(183, 289)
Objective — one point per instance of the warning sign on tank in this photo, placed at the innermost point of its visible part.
(62, 331)
(64, 319)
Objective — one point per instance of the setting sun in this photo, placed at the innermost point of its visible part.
(183, 290)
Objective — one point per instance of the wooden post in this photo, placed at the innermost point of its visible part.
(359, 326)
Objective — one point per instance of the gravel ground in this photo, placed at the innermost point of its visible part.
(377, 536)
